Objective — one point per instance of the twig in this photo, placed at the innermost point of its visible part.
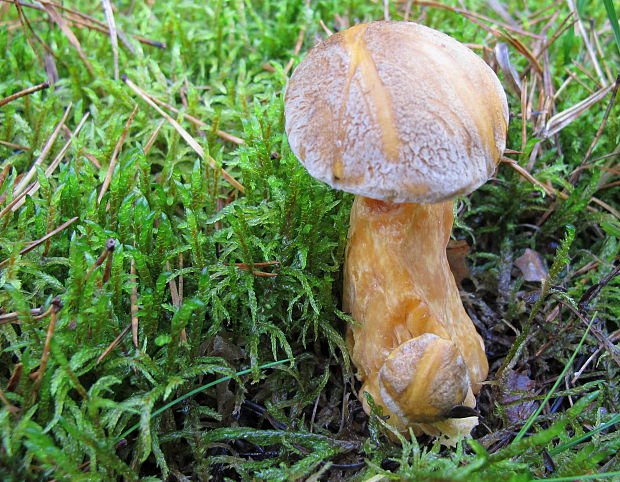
(38, 375)
(15, 377)
(110, 244)
(153, 137)
(115, 343)
(117, 149)
(13, 317)
(15, 146)
(8, 405)
(134, 302)
(36, 243)
(95, 162)
(24, 92)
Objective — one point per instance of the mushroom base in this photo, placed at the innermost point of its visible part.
(415, 348)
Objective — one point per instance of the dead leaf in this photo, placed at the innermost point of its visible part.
(532, 266)
(502, 55)
(521, 384)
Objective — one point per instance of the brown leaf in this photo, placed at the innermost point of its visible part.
(502, 55)
(517, 382)
(532, 266)
(457, 251)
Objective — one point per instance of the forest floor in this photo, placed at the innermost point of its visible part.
(161, 248)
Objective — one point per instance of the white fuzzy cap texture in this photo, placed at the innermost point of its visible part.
(398, 112)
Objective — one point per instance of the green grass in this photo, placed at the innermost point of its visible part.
(179, 228)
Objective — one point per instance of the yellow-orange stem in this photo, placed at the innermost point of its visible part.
(399, 288)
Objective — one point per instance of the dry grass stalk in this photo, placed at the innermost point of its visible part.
(325, 28)
(26, 27)
(15, 377)
(526, 175)
(15, 146)
(38, 242)
(556, 123)
(114, 344)
(194, 120)
(81, 20)
(134, 303)
(8, 405)
(524, 117)
(94, 161)
(574, 77)
(180, 279)
(113, 159)
(296, 50)
(17, 199)
(110, 245)
(564, 26)
(108, 248)
(46, 150)
(24, 92)
(174, 293)
(109, 16)
(475, 16)
(261, 274)
(37, 376)
(34, 187)
(13, 317)
(5, 173)
(502, 56)
(185, 135)
(177, 301)
(73, 40)
(584, 35)
(574, 177)
(149, 144)
(550, 191)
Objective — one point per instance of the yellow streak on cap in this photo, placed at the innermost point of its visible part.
(379, 97)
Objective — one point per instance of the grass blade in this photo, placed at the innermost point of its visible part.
(200, 389)
(533, 417)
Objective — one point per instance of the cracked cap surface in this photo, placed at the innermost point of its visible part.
(398, 112)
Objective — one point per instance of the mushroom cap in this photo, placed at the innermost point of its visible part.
(423, 379)
(396, 111)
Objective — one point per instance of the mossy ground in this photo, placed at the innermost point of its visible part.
(184, 279)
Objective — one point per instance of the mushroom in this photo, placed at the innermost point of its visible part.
(407, 119)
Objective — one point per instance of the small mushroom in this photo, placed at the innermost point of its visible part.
(406, 118)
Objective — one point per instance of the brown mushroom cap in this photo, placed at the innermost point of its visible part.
(396, 111)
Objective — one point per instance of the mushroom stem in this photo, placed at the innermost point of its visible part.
(414, 346)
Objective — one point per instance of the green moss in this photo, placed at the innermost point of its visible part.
(207, 308)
